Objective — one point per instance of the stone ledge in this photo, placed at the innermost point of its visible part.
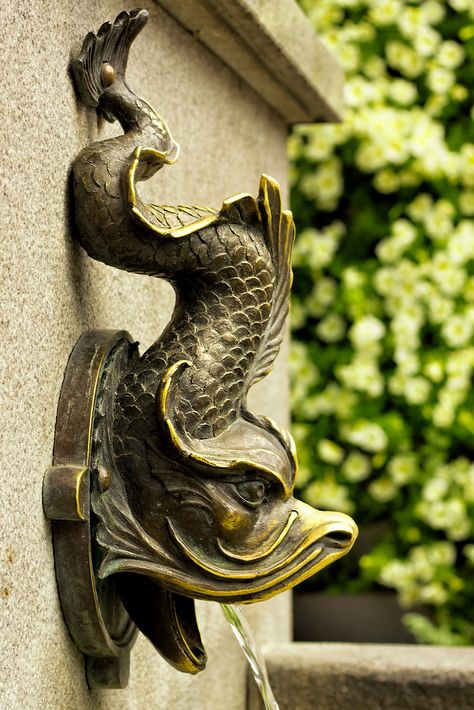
(335, 676)
(272, 46)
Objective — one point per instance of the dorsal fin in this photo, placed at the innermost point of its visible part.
(182, 220)
(279, 232)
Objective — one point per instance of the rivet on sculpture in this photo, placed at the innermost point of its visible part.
(164, 487)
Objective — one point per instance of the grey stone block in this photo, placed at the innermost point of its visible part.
(272, 47)
(368, 677)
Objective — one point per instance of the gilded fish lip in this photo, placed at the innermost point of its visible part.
(313, 538)
(259, 555)
(226, 573)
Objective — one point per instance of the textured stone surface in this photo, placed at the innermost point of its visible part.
(270, 44)
(51, 292)
(369, 677)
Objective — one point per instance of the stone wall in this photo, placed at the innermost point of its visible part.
(51, 292)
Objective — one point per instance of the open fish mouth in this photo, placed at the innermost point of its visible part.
(295, 552)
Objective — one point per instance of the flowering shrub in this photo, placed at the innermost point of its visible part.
(383, 308)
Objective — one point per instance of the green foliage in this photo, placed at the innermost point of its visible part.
(383, 306)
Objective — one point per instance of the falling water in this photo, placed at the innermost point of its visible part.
(244, 635)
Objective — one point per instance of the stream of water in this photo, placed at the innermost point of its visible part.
(245, 636)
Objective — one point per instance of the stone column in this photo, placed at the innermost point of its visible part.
(228, 103)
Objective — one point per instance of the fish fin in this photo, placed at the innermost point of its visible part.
(279, 231)
(241, 208)
(110, 45)
(162, 220)
(244, 446)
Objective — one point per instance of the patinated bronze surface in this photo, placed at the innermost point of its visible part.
(191, 492)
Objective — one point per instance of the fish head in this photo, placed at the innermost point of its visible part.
(242, 536)
(213, 519)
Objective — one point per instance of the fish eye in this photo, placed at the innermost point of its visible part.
(107, 75)
(252, 492)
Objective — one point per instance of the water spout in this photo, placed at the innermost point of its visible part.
(245, 636)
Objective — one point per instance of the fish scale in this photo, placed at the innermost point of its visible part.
(217, 379)
(223, 276)
(230, 268)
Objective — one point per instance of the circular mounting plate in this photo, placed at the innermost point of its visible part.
(95, 616)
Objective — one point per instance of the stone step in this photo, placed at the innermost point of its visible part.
(343, 676)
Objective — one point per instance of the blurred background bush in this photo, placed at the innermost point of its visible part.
(383, 306)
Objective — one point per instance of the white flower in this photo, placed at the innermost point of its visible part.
(449, 278)
(336, 229)
(330, 452)
(443, 415)
(403, 58)
(324, 292)
(433, 593)
(468, 551)
(467, 164)
(459, 93)
(404, 231)
(395, 574)
(442, 553)
(366, 331)
(434, 370)
(440, 80)
(408, 364)
(427, 41)
(389, 250)
(439, 308)
(362, 374)
(367, 435)
(432, 11)
(417, 390)
(304, 372)
(356, 467)
(451, 54)
(383, 490)
(374, 67)
(332, 328)
(325, 15)
(370, 157)
(411, 21)
(402, 468)
(359, 92)
(315, 248)
(460, 362)
(385, 281)
(352, 277)
(403, 92)
(328, 494)
(421, 206)
(385, 12)
(439, 224)
(457, 330)
(327, 183)
(386, 181)
(461, 245)
(318, 148)
(466, 202)
(460, 5)
(460, 530)
(405, 327)
(436, 489)
(349, 56)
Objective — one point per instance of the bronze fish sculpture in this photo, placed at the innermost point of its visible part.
(200, 502)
